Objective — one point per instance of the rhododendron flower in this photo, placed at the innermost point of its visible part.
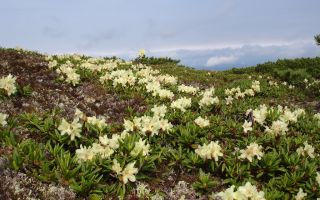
(3, 118)
(8, 84)
(247, 126)
(73, 129)
(278, 128)
(306, 150)
(100, 122)
(252, 150)
(181, 104)
(140, 147)
(159, 111)
(84, 153)
(202, 122)
(209, 151)
(300, 195)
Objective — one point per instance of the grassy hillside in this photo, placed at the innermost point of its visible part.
(76, 127)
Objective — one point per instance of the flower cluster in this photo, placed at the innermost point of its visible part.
(125, 174)
(202, 122)
(8, 84)
(236, 93)
(105, 148)
(207, 98)
(280, 125)
(252, 150)
(3, 118)
(73, 129)
(140, 147)
(181, 104)
(148, 125)
(306, 150)
(188, 89)
(209, 151)
(248, 191)
(70, 74)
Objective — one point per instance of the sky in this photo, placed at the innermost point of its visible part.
(205, 34)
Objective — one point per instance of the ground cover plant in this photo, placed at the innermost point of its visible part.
(78, 127)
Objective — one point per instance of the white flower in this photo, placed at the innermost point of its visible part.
(278, 128)
(113, 143)
(100, 122)
(128, 173)
(3, 118)
(255, 86)
(252, 150)
(229, 100)
(228, 194)
(250, 191)
(247, 126)
(159, 111)
(208, 100)
(209, 151)
(181, 104)
(306, 150)
(78, 114)
(72, 129)
(260, 114)
(300, 195)
(202, 122)
(84, 153)
(8, 84)
(188, 89)
(140, 147)
(116, 167)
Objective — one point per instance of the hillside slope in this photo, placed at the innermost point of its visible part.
(76, 127)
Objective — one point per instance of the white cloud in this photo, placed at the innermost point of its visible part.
(219, 60)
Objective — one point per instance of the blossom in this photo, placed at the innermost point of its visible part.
(159, 111)
(116, 167)
(3, 118)
(306, 150)
(255, 86)
(247, 191)
(247, 126)
(252, 150)
(228, 194)
(181, 104)
(208, 100)
(209, 151)
(73, 129)
(112, 142)
(260, 114)
(100, 122)
(300, 195)
(128, 173)
(278, 128)
(140, 147)
(84, 153)
(188, 89)
(229, 100)
(202, 122)
(8, 84)
(250, 191)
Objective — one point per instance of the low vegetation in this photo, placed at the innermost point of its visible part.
(105, 128)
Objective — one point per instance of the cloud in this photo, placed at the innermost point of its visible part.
(219, 60)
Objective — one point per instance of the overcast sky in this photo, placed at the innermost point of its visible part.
(205, 34)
